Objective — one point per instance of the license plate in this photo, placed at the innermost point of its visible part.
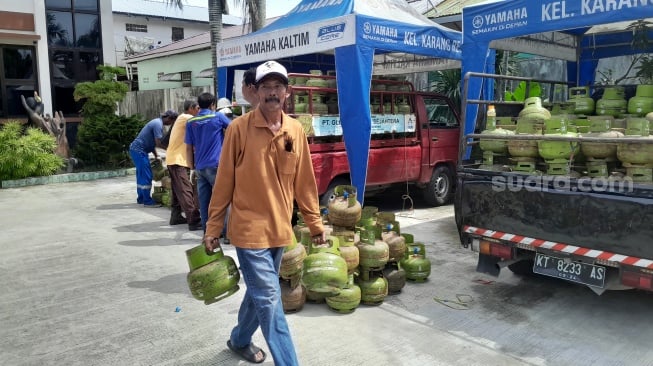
(587, 274)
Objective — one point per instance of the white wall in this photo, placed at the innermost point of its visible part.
(158, 29)
(18, 6)
(108, 48)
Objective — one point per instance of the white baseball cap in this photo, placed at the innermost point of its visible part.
(271, 68)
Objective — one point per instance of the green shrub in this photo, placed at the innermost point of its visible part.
(103, 140)
(101, 96)
(27, 155)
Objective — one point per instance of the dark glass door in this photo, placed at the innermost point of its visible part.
(17, 77)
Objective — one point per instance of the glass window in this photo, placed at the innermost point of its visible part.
(18, 63)
(177, 34)
(59, 4)
(87, 30)
(64, 101)
(14, 104)
(88, 63)
(60, 28)
(62, 65)
(440, 114)
(129, 27)
(85, 5)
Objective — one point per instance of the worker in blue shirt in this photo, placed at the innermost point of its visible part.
(204, 136)
(148, 139)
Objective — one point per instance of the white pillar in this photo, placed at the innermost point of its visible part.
(108, 47)
(43, 60)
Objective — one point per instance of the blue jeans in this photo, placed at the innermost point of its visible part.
(262, 305)
(205, 182)
(143, 177)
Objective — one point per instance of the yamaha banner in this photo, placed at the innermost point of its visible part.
(506, 19)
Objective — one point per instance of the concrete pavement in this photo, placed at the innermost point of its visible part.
(88, 277)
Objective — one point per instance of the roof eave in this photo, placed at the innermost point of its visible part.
(143, 57)
(179, 19)
(448, 19)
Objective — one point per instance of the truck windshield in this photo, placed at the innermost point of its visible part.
(440, 113)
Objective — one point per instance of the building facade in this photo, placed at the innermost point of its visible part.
(179, 64)
(143, 25)
(182, 63)
(48, 46)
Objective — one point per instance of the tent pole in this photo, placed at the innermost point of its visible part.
(578, 53)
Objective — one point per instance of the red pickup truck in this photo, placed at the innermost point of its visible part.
(414, 136)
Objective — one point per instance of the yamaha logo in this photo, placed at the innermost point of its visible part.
(367, 27)
(477, 22)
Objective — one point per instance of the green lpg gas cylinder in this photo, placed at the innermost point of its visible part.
(212, 276)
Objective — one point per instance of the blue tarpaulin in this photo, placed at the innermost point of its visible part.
(573, 36)
(344, 35)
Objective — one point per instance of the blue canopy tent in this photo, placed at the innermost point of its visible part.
(357, 38)
(581, 32)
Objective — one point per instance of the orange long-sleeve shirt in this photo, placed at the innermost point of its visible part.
(260, 179)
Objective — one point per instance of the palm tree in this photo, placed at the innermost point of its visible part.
(447, 82)
(254, 8)
(216, 9)
(256, 11)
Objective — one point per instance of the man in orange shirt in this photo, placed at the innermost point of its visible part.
(183, 194)
(265, 164)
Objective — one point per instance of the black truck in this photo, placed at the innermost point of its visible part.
(596, 232)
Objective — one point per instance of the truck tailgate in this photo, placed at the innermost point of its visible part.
(618, 222)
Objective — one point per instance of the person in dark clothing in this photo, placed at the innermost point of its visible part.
(146, 142)
(248, 87)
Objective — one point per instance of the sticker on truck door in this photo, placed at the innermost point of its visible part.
(381, 123)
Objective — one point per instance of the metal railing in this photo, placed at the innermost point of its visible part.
(472, 139)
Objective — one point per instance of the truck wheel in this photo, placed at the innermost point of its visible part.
(324, 200)
(440, 189)
(522, 268)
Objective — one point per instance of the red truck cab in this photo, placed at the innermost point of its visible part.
(414, 137)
